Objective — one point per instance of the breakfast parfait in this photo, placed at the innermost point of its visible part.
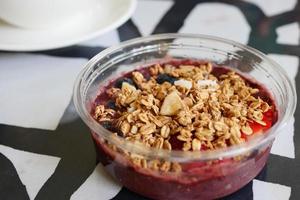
(188, 106)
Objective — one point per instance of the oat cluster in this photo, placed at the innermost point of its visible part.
(201, 110)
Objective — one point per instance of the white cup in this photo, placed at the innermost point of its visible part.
(43, 14)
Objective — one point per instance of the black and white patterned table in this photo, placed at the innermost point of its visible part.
(46, 151)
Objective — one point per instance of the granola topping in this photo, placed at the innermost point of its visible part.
(187, 103)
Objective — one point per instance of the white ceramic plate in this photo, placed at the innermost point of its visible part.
(112, 14)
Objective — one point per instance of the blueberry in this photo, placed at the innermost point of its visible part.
(111, 104)
(107, 124)
(120, 81)
(161, 78)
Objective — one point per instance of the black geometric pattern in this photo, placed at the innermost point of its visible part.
(74, 146)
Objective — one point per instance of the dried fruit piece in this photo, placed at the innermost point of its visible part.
(204, 83)
(165, 131)
(171, 105)
(196, 145)
(184, 83)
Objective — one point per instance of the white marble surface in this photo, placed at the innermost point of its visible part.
(36, 89)
(289, 34)
(99, 184)
(264, 190)
(33, 169)
(218, 19)
(148, 14)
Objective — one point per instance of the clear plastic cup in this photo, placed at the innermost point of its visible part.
(195, 175)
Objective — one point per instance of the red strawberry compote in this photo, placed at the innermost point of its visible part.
(186, 106)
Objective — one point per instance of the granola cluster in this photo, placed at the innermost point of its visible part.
(186, 104)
